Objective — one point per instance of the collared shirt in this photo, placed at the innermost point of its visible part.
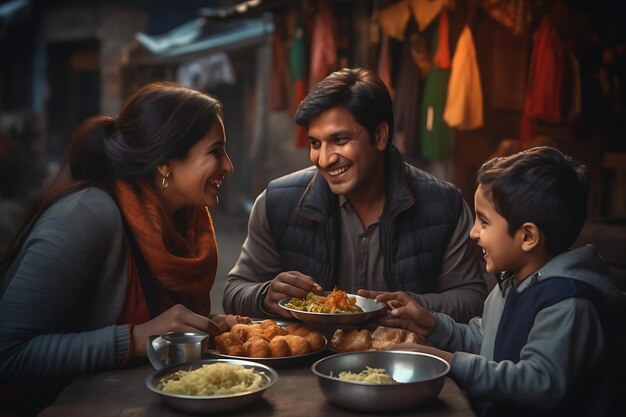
(361, 257)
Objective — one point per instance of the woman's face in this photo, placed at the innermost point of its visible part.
(195, 180)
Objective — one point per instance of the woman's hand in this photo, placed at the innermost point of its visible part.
(288, 284)
(226, 322)
(404, 311)
(177, 319)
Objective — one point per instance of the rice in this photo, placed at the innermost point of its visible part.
(213, 379)
(369, 375)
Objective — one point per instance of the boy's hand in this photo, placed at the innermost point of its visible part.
(404, 311)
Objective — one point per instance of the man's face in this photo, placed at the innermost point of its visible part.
(342, 151)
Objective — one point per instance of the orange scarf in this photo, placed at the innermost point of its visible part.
(181, 253)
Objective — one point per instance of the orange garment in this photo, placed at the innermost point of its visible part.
(181, 254)
(442, 56)
(393, 19)
(547, 80)
(300, 93)
(464, 104)
(323, 47)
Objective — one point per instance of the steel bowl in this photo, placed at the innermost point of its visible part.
(419, 377)
(371, 309)
(215, 403)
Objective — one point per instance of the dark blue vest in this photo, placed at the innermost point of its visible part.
(418, 219)
(517, 320)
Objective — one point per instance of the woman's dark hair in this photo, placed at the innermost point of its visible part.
(542, 186)
(359, 90)
(159, 122)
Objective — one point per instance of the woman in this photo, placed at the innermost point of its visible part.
(120, 247)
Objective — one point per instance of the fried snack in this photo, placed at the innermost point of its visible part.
(337, 302)
(298, 329)
(279, 347)
(352, 341)
(315, 340)
(257, 347)
(225, 341)
(381, 339)
(269, 340)
(298, 345)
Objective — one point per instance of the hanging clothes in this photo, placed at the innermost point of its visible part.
(406, 105)
(298, 64)
(464, 104)
(512, 14)
(393, 19)
(278, 79)
(442, 57)
(384, 64)
(437, 138)
(323, 46)
(547, 80)
(425, 11)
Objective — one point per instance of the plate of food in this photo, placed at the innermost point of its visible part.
(382, 338)
(211, 385)
(334, 307)
(269, 342)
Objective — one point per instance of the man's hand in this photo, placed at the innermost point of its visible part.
(288, 284)
(404, 311)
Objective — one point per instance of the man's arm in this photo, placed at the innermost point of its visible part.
(462, 283)
(258, 264)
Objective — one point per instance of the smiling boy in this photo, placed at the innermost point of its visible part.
(544, 343)
(359, 218)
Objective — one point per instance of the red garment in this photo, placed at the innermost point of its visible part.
(278, 87)
(547, 80)
(323, 48)
(135, 309)
(442, 56)
(300, 93)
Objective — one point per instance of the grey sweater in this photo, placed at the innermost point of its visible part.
(65, 291)
(565, 340)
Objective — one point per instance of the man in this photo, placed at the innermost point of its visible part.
(359, 219)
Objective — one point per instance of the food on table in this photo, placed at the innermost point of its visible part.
(269, 340)
(335, 302)
(212, 379)
(369, 375)
(380, 339)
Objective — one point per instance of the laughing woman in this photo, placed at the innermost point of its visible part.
(121, 246)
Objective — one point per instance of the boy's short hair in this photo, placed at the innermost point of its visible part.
(543, 186)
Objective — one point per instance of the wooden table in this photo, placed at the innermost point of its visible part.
(296, 393)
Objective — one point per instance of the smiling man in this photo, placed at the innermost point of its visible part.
(360, 218)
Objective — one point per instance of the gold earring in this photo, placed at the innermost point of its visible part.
(164, 182)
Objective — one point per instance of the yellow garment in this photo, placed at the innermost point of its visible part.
(393, 19)
(425, 11)
(464, 104)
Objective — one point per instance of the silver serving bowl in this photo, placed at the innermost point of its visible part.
(420, 378)
(371, 309)
(214, 403)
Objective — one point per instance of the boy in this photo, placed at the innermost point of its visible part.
(542, 346)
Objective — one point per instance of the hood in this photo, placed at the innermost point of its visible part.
(585, 264)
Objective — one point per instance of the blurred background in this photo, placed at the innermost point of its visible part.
(470, 79)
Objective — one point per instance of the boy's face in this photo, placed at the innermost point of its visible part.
(501, 251)
(342, 152)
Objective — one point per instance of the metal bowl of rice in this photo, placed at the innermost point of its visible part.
(418, 377)
(212, 389)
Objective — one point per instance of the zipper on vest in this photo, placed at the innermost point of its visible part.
(387, 255)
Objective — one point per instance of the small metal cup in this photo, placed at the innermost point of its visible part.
(172, 348)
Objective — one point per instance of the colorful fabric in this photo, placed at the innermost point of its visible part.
(181, 253)
(436, 137)
(442, 56)
(464, 104)
(323, 47)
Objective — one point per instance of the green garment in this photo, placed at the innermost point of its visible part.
(437, 138)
